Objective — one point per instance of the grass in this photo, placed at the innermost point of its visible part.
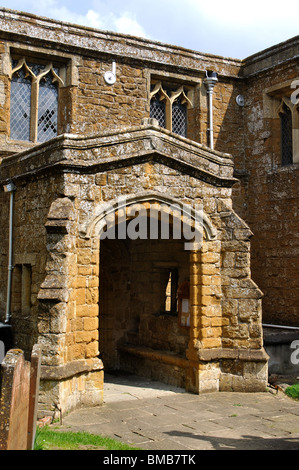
(293, 391)
(54, 439)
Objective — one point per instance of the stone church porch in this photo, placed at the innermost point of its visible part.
(189, 317)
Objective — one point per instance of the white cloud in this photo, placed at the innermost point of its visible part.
(125, 23)
(92, 19)
(128, 24)
(51, 8)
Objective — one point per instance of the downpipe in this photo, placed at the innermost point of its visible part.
(210, 82)
(10, 188)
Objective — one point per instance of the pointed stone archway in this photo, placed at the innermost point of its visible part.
(201, 366)
(131, 348)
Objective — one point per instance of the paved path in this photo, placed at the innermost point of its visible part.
(153, 416)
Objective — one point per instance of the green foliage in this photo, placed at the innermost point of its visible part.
(54, 439)
(293, 391)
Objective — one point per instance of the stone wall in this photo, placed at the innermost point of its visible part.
(100, 107)
(272, 197)
(31, 207)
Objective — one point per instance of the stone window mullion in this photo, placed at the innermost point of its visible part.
(34, 109)
(169, 115)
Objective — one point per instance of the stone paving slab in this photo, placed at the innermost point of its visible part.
(154, 416)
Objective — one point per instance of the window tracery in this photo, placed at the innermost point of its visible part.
(34, 101)
(169, 106)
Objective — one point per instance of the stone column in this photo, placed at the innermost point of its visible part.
(205, 334)
(192, 373)
(195, 304)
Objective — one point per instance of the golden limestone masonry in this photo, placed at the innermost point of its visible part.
(148, 207)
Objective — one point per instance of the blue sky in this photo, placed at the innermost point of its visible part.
(224, 27)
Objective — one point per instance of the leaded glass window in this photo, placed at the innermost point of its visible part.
(169, 105)
(20, 106)
(158, 111)
(179, 117)
(34, 101)
(47, 109)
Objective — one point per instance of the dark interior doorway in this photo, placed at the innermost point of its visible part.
(138, 296)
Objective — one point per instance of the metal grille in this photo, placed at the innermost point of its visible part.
(157, 111)
(20, 106)
(286, 136)
(47, 109)
(179, 118)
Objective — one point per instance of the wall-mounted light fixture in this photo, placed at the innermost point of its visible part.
(240, 100)
(110, 77)
(210, 81)
(9, 187)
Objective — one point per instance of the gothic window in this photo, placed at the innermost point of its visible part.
(169, 106)
(289, 124)
(34, 101)
(286, 130)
